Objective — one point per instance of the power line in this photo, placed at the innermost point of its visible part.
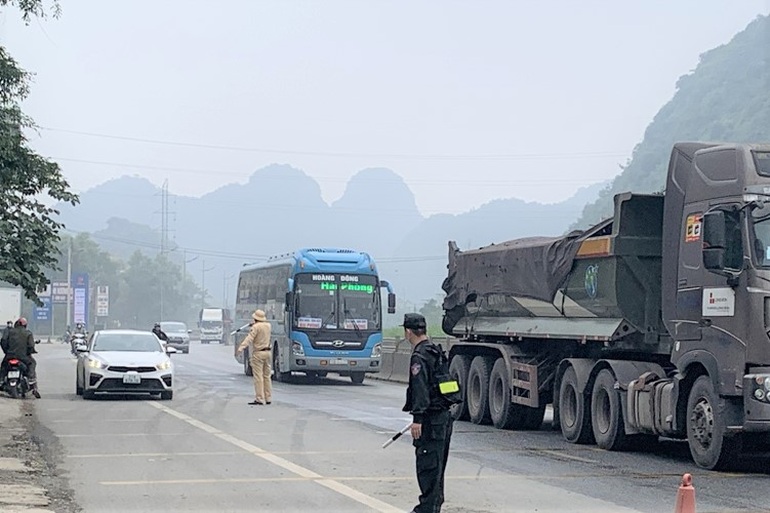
(512, 156)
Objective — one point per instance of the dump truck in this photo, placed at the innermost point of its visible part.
(654, 323)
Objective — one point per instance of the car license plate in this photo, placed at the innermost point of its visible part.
(14, 374)
(338, 361)
(132, 379)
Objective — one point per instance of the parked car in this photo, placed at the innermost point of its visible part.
(178, 335)
(124, 362)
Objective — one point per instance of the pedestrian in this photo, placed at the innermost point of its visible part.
(258, 342)
(431, 427)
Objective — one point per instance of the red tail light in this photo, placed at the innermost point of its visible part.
(13, 361)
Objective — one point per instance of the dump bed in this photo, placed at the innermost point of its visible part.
(601, 284)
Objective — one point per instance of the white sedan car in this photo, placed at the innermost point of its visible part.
(124, 362)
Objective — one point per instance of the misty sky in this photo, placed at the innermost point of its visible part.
(468, 101)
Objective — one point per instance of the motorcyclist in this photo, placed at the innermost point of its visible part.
(159, 332)
(20, 344)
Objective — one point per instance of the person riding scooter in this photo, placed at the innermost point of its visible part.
(20, 344)
(159, 332)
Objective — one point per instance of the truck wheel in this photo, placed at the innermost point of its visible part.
(458, 369)
(246, 363)
(503, 412)
(357, 377)
(607, 413)
(574, 414)
(709, 445)
(477, 395)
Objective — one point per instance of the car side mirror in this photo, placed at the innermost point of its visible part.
(391, 303)
(81, 348)
(170, 350)
(189, 332)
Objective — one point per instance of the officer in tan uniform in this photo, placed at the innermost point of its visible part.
(258, 342)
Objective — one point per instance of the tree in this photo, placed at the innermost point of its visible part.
(29, 232)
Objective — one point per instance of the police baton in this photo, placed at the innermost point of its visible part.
(397, 435)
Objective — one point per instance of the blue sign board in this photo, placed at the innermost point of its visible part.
(80, 298)
(43, 313)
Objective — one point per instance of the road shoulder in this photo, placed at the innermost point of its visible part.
(29, 480)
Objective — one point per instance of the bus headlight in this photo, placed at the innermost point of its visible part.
(297, 349)
(377, 351)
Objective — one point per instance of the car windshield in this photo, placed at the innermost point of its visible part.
(132, 342)
(173, 327)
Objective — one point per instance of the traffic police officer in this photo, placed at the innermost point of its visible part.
(431, 422)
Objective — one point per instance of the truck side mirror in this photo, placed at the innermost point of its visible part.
(289, 301)
(714, 240)
(391, 303)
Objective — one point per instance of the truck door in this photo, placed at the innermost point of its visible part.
(689, 285)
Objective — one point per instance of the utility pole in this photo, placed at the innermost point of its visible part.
(204, 270)
(164, 238)
(68, 322)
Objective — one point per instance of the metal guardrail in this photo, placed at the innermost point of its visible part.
(396, 355)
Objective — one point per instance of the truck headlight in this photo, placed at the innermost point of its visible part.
(297, 349)
(767, 383)
(759, 394)
(377, 351)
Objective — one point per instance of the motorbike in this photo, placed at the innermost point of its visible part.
(75, 340)
(15, 382)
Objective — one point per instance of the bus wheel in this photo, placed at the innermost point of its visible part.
(246, 363)
(277, 374)
(607, 413)
(574, 414)
(477, 395)
(357, 377)
(458, 369)
(710, 446)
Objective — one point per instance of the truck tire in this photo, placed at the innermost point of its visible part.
(247, 363)
(503, 412)
(574, 413)
(477, 395)
(710, 446)
(458, 369)
(357, 377)
(607, 413)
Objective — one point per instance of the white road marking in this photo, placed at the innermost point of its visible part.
(151, 454)
(85, 435)
(273, 458)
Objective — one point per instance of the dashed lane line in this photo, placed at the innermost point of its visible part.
(283, 463)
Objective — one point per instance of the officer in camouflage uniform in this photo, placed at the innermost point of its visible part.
(432, 424)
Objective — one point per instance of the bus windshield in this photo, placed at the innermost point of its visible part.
(337, 301)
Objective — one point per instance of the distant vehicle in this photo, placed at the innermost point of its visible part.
(124, 362)
(178, 335)
(325, 309)
(214, 324)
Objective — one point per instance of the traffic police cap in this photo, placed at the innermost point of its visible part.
(414, 321)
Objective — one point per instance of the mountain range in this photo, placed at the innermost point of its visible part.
(281, 209)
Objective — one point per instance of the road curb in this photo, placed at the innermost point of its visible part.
(19, 491)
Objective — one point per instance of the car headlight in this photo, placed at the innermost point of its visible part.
(96, 364)
(164, 366)
(297, 349)
(377, 350)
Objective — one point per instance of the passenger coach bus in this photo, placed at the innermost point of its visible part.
(325, 310)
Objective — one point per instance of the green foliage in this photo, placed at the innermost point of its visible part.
(33, 8)
(28, 228)
(724, 99)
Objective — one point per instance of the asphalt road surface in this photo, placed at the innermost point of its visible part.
(318, 448)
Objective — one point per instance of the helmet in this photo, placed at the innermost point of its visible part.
(22, 322)
(157, 325)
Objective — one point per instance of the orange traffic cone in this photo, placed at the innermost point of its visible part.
(685, 497)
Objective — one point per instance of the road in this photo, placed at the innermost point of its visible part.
(318, 448)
